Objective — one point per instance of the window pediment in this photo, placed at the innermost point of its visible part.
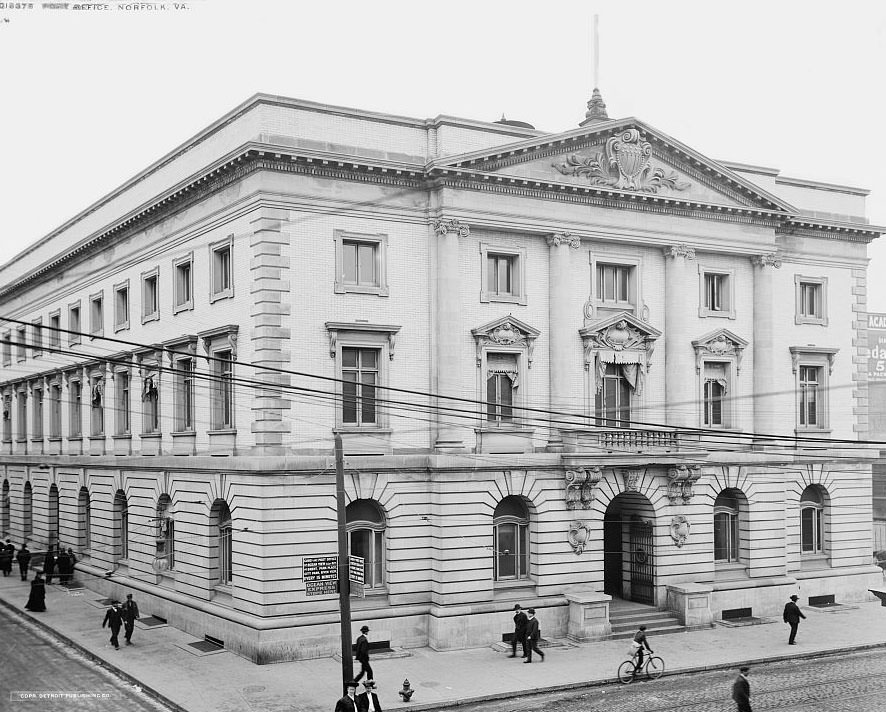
(507, 332)
(721, 343)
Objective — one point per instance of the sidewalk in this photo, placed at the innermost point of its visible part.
(222, 682)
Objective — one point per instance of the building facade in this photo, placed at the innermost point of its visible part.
(566, 368)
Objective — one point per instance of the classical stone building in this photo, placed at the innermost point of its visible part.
(567, 368)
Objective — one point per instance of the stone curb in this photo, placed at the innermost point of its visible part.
(92, 657)
(567, 687)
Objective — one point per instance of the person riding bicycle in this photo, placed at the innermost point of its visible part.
(637, 644)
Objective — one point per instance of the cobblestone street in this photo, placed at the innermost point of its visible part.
(39, 673)
(848, 683)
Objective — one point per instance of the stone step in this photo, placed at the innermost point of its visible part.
(657, 630)
(640, 616)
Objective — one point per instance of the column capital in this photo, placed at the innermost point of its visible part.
(680, 250)
(559, 239)
(443, 226)
(768, 260)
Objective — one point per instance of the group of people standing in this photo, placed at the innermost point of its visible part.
(59, 564)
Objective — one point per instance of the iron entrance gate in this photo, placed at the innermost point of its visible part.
(642, 562)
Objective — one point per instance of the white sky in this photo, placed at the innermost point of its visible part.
(89, 99)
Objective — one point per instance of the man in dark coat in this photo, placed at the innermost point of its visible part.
(49, 564)
(7, 551)
(62, 564)
(792, 616)
(37, 599)
(362, 654)
(741, 690)
(347, 703)
(130, 615)
(24, 560)
(72, 560)
(114, 620)
(367, 701)
(520, 621)
(533, 635)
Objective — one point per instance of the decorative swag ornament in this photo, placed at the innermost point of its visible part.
(149, 389)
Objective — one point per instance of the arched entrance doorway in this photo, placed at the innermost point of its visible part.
(629, 555)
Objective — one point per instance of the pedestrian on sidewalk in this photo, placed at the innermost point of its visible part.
(362, 654)
(533, 635)
(520, 621)
(130, 616)
(62, 564)
(72, 560)
(113, 620)
(7, 551)
(367, 701)
(792, 616)
(347, 703)
(637, 644)
(741, 690)
(24, 560)
(37, 599)
(49, 564)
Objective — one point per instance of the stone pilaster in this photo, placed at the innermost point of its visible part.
(448, 232)
(861, 354)
(561, 332)
(766, 383)
(680, 384)
(271, 307)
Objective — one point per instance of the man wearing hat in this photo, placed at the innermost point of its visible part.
(533, 635)
(130, 615)
(792, 616)
(361, 652)
(347, 703)
(520, 622)
(367, 701)
(741, 690)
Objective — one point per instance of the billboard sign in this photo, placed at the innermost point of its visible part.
(877, 345)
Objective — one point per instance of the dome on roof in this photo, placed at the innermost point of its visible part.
(512, 122)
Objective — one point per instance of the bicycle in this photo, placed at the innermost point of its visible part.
(652, 665)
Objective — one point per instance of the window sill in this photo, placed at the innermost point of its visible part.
(78, 438)
(378, 290)
(150, 436)
(705, 314)
(121, 327)
(814, 562)
(178, 309)
(378, 430)
(55, 438)
(504, 298)
(812, 321)
(509, 584)
(150, 317)
(227, 294)
(97, 334)
(122, 436)
(190, 433)
(216, 431)
(798, 432)
(36, 439)
(730, 571)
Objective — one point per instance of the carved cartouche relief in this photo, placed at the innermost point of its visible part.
(679, 529)
(579, 536)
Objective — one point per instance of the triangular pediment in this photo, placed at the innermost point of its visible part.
(720, 341)
(619, 157)
(619, 332)
(506, 330)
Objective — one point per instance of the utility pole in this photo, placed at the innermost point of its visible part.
(344, 584)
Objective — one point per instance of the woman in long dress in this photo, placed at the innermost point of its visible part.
(37, 599)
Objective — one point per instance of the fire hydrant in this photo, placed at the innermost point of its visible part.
(406, 692)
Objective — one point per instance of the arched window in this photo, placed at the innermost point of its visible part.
(84, 519)
(121, 526)
(366, 532)
(165, 534)
(510, 524)
(811, 518)
(28, 512)
(726, 537)
(222, 556)
(4, 509)
(53, 516)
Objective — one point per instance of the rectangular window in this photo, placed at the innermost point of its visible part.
(150, 296)
(184, 395)
(360, 376)
(21, 346)
(7, 348)
(613, 399)
(22, 416)
(55, 410)
(55, 334)
(184, 286)
(810, 381)
(715, 292)
(220, 267)
(150, 404)
(7, 420)
(502, 277)
(76, 394)
(360, 263)
(715, 387)
(74, 324)
(501, 386)
(37, 424)
(810, 300)
(123, 402)
(97, 407)
(613, 284)
(37, 337)
(96, 315)
(121, 307)
(223, 391)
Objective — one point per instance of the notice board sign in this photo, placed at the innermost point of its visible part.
(877, 345)
(356, 566)
(320, 574)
